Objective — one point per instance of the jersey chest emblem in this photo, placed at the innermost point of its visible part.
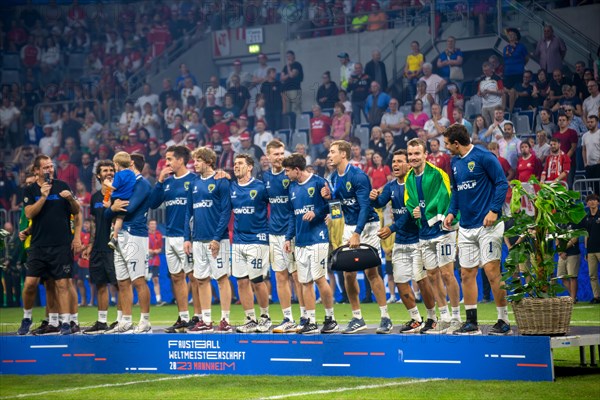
(285, 183)
(471, 166)
(311, 191)
(253, 194)
(348, 186)
(211, 187)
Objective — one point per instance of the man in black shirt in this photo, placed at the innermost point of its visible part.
(102, 266)
(292, 76)
(592, 243)
(359, 84)
(49, 205)
(239, 93)
(275, 100)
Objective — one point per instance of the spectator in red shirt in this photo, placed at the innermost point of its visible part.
(67, 172)
(566, 136)
(558, 164)
(320, 126)
(528, 164)
(220, 125)
(83, 269)
(379, 173)
(82, 194)
(31, 54)
(159, 37)
(155, 242)
(17, 35)
(437, 158)
(134, 146)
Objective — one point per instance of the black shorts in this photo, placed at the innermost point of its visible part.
(102, 268)
(389, 267)
(155, 269)
(52, 262)
(511, 81)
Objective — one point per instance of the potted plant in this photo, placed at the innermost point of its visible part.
(537, 307)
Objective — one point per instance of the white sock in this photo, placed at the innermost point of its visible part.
(503, 313)
(444, 313)
(302, 312)
(287, 313)
(264, 311)
(126, 319)
(456, 313)
(329, 313)
(102, 316)
(145, 317)
(207, 316)
(65, 318)
(250, 314)
(53, 319)
(225, 315)
(384, 312)
(357, 314)
(312, 316)
(28, 313)
(415, 314)
(119, 315)
(75, 318)
(431, 314)
(158, 298)
(199, 316)
(184, 315)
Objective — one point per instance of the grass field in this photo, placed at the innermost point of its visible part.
(571, 381)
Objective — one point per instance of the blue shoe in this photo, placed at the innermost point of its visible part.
(501, 328)
(65, 329)
(385, 326)
(355, 325)
(468, 328)
(25, 326)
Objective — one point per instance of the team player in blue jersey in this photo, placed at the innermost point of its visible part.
(209, 207)
(132, 265)
(478, 192)
(172, 190)
(351, 186)
(406, 258)
(250, 249)
(427, 197)
(307, 226)
(277, 184)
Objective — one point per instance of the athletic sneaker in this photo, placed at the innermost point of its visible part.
(286, 326)
(143, 327)
(303, 321)
(264, 324)
(65, 328)
(468, 328)
(249, 327)
(40, 328)
(25, 326)
(193, 321)
(97, 329)
(412, 326)
(201, 327)
(75, 329)
(355, 325)
(224, 327)
(429, 324)
(309, 328)
(48, 330)
(112, 326)
(440, 328)
(385, 326)
(391, 300)
(330, 326)
(121, 328)
(160, 304)
(178, 327)
(455, 325)
(501, 328)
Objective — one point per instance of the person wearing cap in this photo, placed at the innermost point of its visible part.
(275, 99)
(134, 145)
(239, 94)
(225, 160)
(177, 134)
(260, 74)
(216, 90)
(220, 124)
(250, 149)
(192, 140)
(67, 172)
(346, 69)
(291, 77)
(515, 57)
(130, 118)
(262, 136)
(245, 78)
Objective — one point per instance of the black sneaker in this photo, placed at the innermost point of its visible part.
(97, 329)
(412, 326)
(65, 328)
(75, 329)
(193, 321)
(49, 330)
(468, 328)
(40, 328)
(178, 327)
(113, 325)
(309, 329)
(429, 325)
(25, 326)
(501, 328)
(330, 326)
(303, 321)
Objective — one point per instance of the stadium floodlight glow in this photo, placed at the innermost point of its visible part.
(254, 48)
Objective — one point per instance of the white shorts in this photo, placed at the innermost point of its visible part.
(176, 258)
(479, 246)
(368, 235)
(249, 260)
(312, 262)
(280, 260)
(135, 250)
(206, 266)
(439, 251)
(407, 263)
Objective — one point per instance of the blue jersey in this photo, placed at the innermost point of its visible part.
(249, 203)
(173, 192)
(479, 186)
(305, 197)
(136, 219)
(209, 205)
(407, 231)
(123, 183)
(352, 189)
(278, 189)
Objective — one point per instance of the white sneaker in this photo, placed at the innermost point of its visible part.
(455, 325)
(143, 327)
(264, 323)
(121, 328)
(391, 300)
(286, 326)
(440, 328)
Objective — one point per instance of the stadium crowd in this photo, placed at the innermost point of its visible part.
(233, 125)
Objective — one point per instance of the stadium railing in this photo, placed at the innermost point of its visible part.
(586, 187)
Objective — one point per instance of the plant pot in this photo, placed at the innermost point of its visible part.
(538, 316)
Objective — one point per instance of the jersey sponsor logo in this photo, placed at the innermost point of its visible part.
(399, 211)
(50, 197)
(186, 186)
(467, 185)
(304, 210)
(211, 187)
(285, 183)
(268, 185)
(349, 202)
(179, 201)
(278, 200)
(253, 194)
(471, 166)
(243, 210)
(454, 171)
(203, 204)
(311, 191)
(348, 186)
(98, 205)
(233, 195)
(422, 203)
(167, 187)
(195, 190)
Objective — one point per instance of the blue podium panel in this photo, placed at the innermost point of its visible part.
(369, 355)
